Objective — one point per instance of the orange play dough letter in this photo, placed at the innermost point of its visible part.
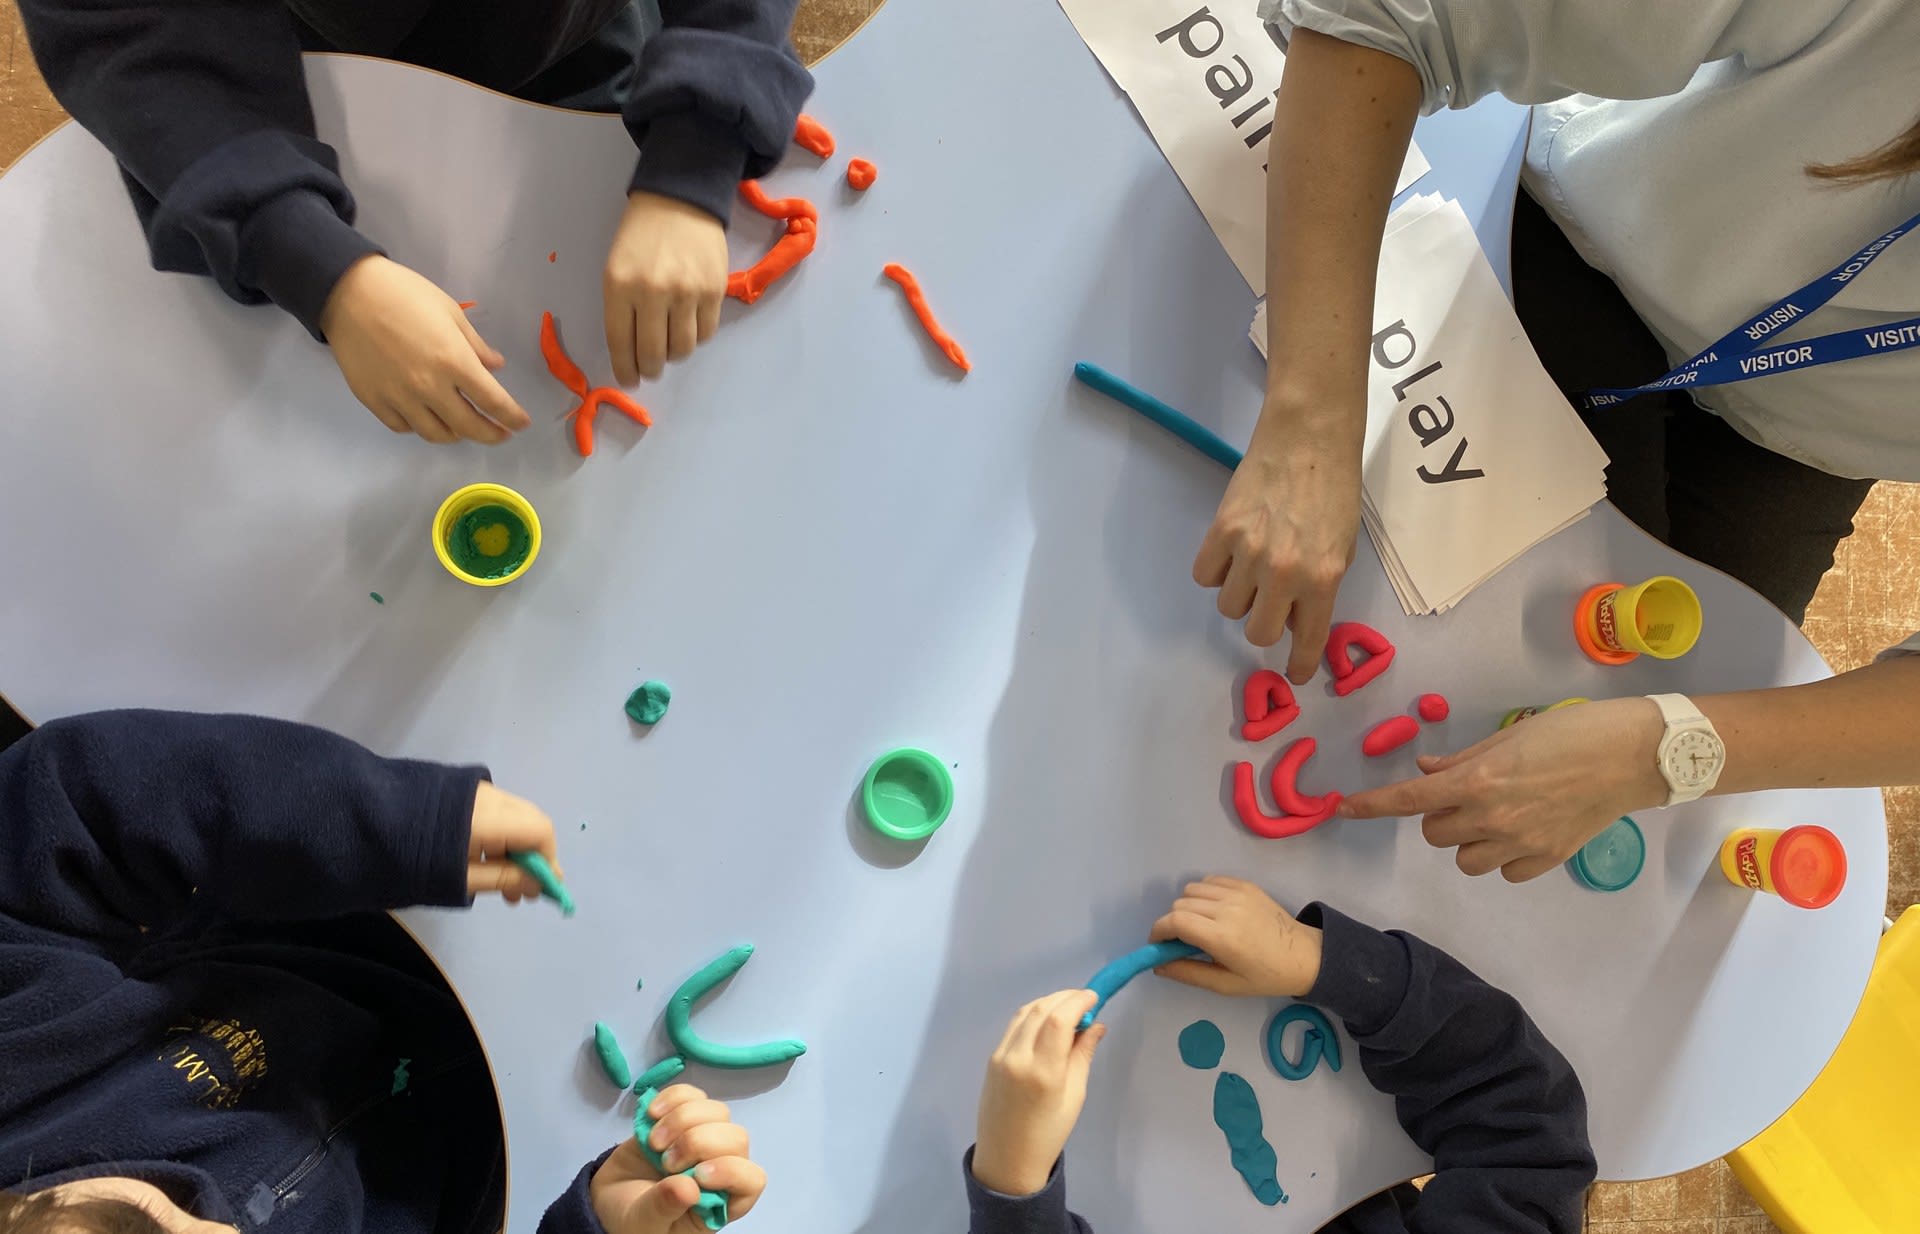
(917, 300)
(803, 228)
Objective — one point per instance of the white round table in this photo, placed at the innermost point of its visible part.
(830, 546)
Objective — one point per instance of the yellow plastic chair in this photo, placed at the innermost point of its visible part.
(1845, 1159)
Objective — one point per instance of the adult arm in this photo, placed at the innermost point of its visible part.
(1475, 1083)
(1284, 532)
(1526, 798)
(130, 821)
(204, 105)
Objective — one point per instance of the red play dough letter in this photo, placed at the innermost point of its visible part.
(1389, 735)
(1267, 703)
(1286, 781)
(1246, 804)
(1433, 708)
(1341, 640)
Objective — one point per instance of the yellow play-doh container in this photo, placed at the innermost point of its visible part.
(1521, 713)
(486, 534)
(1660, 617)
(1805, 866)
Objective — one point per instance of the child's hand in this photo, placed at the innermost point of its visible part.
(502, 824)
(1257, 946)
(1036, 1084)
(666, 277)
(409, 353)
(630, 1197)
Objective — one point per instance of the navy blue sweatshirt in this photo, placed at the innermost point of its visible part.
(198, 987)
(204, 105)
(1474, 1083)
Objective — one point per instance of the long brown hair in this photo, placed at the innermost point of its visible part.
(1899, 157)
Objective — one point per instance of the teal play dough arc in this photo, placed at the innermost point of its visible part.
(661, 1073)
(1107, 982)
(1236, 1111)
(1201, 1045)
(907, 794)
(612, 1060)
(1317, 1042)
(536, 865)
(712, 1205)
(711, 1053)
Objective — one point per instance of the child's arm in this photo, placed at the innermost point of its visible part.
(122, 820)
(718, 92)
(1474, 1082)
(620, 1192)
(204, 105)
(1036, 1084)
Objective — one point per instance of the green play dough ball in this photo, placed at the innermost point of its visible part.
(647, 704)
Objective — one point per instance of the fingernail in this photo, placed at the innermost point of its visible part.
(671, 1159)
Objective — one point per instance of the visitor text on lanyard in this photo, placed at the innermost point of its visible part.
(1742, 354)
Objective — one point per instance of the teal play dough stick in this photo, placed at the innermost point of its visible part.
(1319, 1041)
(536, 865)
(1202, 1044)
(1107, 982)
(713, 1054)
(658, 1075)
(712, 1205)
(1236, 1111)
(612, 1061)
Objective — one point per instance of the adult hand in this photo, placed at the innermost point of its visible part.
(631, 1197)
(1257, 947)
(1036, 1084)
(502, 824)
(666, 277)
(1280, 542)
(409, 353)
(1525, 799)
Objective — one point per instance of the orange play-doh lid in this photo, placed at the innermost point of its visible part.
(1809, 867)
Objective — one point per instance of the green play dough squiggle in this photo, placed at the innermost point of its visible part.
(713, 1054)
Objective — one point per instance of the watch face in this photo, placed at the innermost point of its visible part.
(1693, 758)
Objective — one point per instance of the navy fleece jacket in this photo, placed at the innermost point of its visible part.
(197, 987)
(1474, 1083)
(204, 104)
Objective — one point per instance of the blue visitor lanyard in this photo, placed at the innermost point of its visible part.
(1740, 354)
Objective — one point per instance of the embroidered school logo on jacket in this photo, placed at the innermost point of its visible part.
(219, 1060)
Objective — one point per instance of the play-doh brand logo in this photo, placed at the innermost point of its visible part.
(1745, 858)
(1609, 633)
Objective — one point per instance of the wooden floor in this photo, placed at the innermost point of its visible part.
(1870, 600)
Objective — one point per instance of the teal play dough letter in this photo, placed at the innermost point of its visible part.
(612, 1061)
(1236, 1111)
(713, 1054)
(1319, 1041)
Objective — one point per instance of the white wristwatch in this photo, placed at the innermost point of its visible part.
(1691, 754)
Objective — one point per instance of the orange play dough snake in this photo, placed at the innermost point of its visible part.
(917, 300)
(803, 228)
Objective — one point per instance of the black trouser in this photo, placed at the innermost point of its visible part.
(1680, 472)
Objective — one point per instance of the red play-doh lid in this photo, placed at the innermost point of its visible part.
(1809, 867)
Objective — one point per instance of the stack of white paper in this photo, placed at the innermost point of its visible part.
(1473, 455)
(1203, 77)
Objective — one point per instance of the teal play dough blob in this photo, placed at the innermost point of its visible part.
(711, 1053)
(1236, 1111)
(712, 1205)
(536, 865)
(648, 703)
(1202, 1044)
(488, 541)
(1107, 982)
(612, 1061)
(1317, 1042)
(661, 1073)
(1613, 859)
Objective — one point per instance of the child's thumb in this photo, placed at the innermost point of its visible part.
(664, 1203)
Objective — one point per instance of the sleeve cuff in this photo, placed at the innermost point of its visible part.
(445, 833)
(295, 248)
(692, 159)
(1364, 973)
(573, 1212)
(1043, 1212)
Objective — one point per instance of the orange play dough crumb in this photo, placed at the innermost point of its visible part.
(861, 174)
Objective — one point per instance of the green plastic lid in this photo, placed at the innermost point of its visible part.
(907, 794)
(1613, 859)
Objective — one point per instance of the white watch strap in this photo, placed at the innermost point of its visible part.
(1675, 709)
